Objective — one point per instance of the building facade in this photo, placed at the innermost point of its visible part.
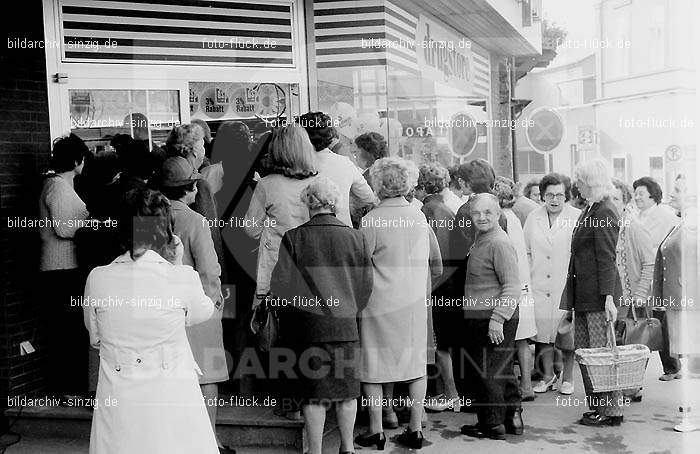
(631, 100)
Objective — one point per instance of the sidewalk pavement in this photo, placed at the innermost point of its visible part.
(550, 427)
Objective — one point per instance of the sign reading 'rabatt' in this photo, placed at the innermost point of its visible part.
(444, 56)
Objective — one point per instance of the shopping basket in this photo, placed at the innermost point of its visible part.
(613, 368)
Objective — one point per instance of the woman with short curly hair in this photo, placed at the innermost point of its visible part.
(394, 325)
(434, 179)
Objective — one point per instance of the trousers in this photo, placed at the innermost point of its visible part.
(489, 368)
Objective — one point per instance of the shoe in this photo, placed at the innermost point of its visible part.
(390, 420)
(367, 440)
(412, 440)
(566, 388)
(293, 415)
(670, 377)
(493, 432)
(600, 420)
(345, 452)
(544, 386)
(441, 403)
(226, 450)
(514, 422)
(528, 397)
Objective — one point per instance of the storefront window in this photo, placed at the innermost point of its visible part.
(260, 106)
(408, 76)
(98, 115)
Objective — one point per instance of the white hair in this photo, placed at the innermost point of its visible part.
(596, 174)
(486, 196)
(393, 177)
(321, 193)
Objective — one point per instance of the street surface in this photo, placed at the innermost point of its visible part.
(550, 427)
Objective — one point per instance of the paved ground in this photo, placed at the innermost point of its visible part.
(550, 428)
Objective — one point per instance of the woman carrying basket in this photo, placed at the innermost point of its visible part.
(593, 284)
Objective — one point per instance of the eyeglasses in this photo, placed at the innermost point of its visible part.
(550, 196)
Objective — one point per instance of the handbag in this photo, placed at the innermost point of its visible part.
(644, 331)
(264, 324)
(565, 333)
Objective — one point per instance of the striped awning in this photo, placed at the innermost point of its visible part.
(222, 32)
(482, 73)
(350, 33)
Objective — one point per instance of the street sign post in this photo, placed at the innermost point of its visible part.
(673, 153)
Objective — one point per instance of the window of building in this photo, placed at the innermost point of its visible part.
(620, 168)
(588, 90)
(431, 102)
(97, 115)
(531, 163)
(657, 35)
(656, 169)
(619, 32)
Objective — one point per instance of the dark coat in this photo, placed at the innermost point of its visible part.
(328, 259)
(592, 270)
(441, 220)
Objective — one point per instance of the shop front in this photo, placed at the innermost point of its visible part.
(389, 66)
(431, 77)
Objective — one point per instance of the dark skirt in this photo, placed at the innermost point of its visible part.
(448, 323)
(326, 372)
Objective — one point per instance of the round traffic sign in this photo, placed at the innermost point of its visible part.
(673, 153)
(545, 130)
(463, 134)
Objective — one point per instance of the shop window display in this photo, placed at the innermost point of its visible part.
(98, 115)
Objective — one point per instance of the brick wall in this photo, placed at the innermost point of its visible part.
(24, 151)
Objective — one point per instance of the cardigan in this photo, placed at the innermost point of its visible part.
(493, 278)
(635, 260)
(62, 213)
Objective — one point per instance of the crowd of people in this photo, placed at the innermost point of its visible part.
(376, 269)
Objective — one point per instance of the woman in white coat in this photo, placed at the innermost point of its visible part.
(548, 232)
(136, 308)
(507, 193)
